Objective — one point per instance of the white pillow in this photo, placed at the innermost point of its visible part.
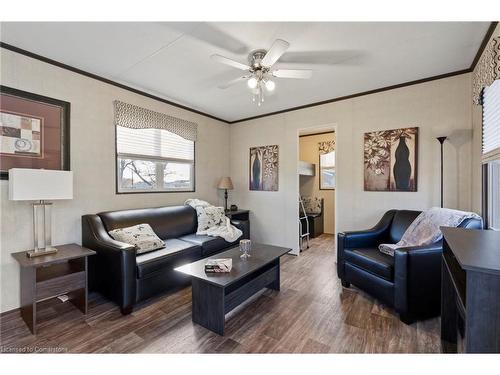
(209, 217)
(141, 236)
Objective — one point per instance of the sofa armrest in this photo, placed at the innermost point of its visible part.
(112, 270)
(417, 279)
(244, 226)
(365, 238)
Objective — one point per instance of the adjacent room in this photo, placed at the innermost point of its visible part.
(250, 187)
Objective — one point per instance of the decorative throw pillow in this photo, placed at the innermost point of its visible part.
(141, 236)
(209, 217)
(312, 205)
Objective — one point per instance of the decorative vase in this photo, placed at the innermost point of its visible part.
(402, 166)
(256, 173)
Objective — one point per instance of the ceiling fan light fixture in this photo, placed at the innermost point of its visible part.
(270, 85)
(252, 82)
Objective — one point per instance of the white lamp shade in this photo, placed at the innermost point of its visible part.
(39, 184)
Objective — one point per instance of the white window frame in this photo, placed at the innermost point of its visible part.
(493, 201)
(160, 167)
(320, 168)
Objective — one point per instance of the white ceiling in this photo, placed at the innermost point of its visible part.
(172, 60)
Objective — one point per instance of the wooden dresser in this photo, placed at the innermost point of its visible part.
(470, 291)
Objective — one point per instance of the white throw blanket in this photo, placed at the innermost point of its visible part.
(212, 221)
(425, 228)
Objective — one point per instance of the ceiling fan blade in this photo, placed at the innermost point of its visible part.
(277, 49)
(293, 73)
(227, 61)
(232, 82)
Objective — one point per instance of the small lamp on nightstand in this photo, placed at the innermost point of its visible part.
(40, 185)
(226, 184)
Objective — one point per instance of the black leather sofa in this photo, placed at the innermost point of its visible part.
(410, 282)
(126, 278)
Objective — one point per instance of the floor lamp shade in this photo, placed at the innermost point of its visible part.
(39, 184)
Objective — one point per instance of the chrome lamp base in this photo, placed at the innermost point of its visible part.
(42, 230)
(41, 252)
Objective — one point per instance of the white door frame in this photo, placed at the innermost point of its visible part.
(315, 129)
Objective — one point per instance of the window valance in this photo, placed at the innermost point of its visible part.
(134, 117)
(487, 69)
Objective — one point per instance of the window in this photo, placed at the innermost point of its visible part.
(491, 153)
(153, 160)
(494, 195)
(327, 171)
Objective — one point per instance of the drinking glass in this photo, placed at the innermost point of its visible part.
(245, 246)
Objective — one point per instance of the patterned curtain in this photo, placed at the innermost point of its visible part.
(132, 116)
(326, 147)
(487, 69)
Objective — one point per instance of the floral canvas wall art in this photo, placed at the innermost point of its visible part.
(390, 160)
(263, 171)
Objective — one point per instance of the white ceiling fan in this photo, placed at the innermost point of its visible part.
(260, 70)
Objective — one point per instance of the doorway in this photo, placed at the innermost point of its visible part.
(317, 183)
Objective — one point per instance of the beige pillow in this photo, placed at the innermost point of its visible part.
(141, 236)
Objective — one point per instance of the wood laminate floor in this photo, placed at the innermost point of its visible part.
(311, 314)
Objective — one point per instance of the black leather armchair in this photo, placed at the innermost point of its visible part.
(410, 282)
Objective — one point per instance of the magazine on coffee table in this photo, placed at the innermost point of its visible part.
(219, 265)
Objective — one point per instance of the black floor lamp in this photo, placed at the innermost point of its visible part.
(441, 141)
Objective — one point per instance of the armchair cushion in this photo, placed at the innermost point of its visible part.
(401, 222)
(371, 260)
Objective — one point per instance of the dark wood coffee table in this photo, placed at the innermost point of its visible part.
(216, 294)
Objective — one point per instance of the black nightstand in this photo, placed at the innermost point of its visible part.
(238, 214)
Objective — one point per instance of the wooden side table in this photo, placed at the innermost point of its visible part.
(53, 275)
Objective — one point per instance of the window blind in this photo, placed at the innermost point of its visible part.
(491, 121)
(153, 143)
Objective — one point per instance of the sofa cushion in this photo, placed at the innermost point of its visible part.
(175, 253)
(371, 260)
(209, 244)
(167, 222)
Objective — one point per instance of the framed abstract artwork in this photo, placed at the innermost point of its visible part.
(390, 160)
(263, 169)
(34, 131)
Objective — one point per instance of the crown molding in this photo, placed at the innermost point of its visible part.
(105, 80)
(47, 60)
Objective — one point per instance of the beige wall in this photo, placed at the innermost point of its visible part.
(309, 185)
(437, 107)
(477, 125)
(93, 159)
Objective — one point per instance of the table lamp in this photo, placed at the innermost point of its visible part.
(40, 185)
(226, 184)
